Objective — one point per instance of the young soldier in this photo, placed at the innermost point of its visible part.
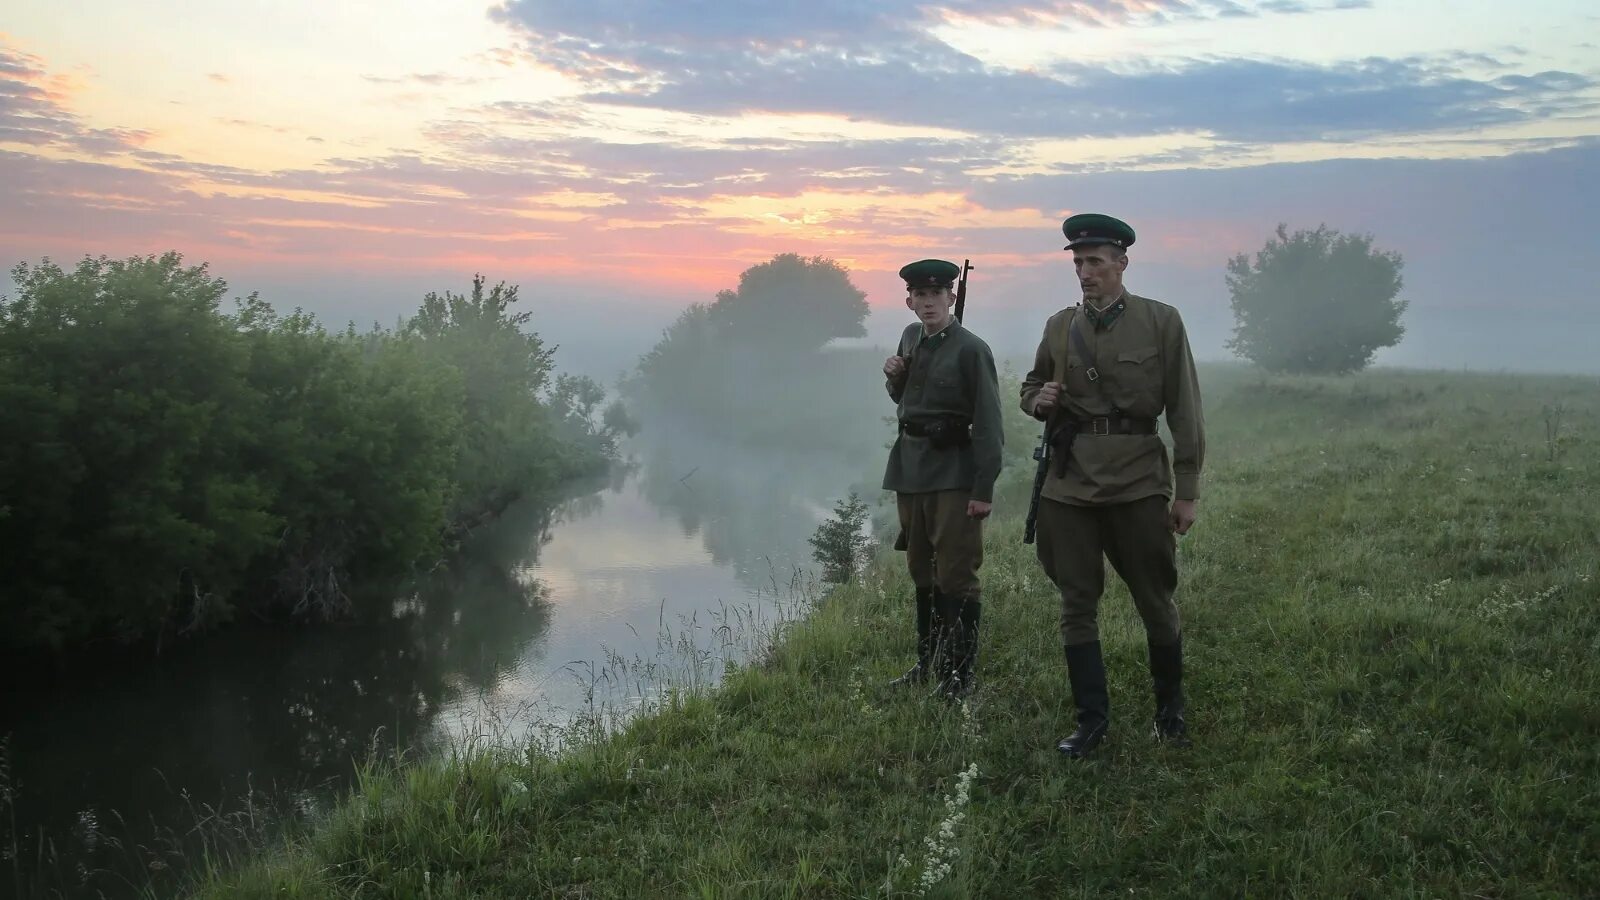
(942, 469)
(1104, 371)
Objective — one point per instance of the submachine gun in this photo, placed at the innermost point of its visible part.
(1042, 454)
(1055, 443)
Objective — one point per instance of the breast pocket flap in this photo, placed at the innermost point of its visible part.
(1137, 355)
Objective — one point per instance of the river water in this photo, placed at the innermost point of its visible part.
(554, 612)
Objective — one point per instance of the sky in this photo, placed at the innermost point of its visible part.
(620, 159)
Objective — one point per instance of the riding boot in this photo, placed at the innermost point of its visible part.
(947, 634)
(1166, 673)
(1086, 670)
(962, 681)
(918, 674)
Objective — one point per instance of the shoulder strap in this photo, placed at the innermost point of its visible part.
(1058, 346)
(1084, 351)
(908, 346)
(1069, 332)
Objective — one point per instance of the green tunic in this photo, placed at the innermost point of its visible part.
(1146, 369)
(948, 374)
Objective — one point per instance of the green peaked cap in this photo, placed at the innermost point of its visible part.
(1084, 229)
(930, 273)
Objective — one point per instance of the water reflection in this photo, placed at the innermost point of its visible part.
(666, 571)
(136, 752)
(752, 510)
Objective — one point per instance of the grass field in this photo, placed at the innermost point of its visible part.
(1391, 613)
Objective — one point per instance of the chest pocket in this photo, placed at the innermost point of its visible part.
(1138, 355)
(948, 388)
(1138, 373)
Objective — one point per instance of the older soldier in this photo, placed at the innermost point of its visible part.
(942, 469)
(1102, 374)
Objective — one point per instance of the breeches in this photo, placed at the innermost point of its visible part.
(1075, 541)
(944, 547)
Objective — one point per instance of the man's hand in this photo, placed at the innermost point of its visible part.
(1182, 516)
(1048, 398)
(977, 509)
(894, 368)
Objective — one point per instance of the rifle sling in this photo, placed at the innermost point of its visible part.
(1075, 337)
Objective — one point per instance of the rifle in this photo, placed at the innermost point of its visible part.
(961, 289)
(1042, 454)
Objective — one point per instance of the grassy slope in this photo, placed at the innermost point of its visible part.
(1392, 623)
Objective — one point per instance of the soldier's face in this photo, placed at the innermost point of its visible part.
(932, 306)
(1100, 269)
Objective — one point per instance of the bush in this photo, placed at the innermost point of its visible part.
(1315, 302)
(839, 544)
(164, 465)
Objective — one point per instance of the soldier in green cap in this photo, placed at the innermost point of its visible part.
(942, 469)
(1103, 372)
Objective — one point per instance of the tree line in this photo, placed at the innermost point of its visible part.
(166, 466)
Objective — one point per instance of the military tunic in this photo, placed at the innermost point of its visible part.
(950, 374)
(1111, 501)
(1141, 351)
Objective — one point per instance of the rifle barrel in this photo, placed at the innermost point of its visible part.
(961, 290)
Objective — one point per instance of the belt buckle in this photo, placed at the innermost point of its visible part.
(1100, 425)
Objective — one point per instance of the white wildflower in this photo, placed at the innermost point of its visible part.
(940, 849)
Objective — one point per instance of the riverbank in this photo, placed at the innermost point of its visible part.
(1391, 617)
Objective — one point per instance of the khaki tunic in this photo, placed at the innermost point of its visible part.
(1146, 369)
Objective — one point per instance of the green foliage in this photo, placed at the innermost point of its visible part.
(508, 438)
(123, 416)
(575, 401)
(840, 545)
(359, 436)
(1315, 302)
(164, 465)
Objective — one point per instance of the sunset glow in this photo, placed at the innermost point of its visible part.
(618, 143)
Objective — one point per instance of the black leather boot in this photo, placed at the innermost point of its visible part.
(946, 631)
(918, 674)
(1086, 669)
(964, 646)
(1166, 673)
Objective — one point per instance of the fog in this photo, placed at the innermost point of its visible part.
(602, 332)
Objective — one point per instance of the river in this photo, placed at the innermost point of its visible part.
(559, 611)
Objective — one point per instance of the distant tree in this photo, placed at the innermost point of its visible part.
(618, 421)
(719, 363)
(577, 397)
(576, 402)
(1315, 301)
(792, 303)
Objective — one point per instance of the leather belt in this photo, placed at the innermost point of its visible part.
(1116, 425)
